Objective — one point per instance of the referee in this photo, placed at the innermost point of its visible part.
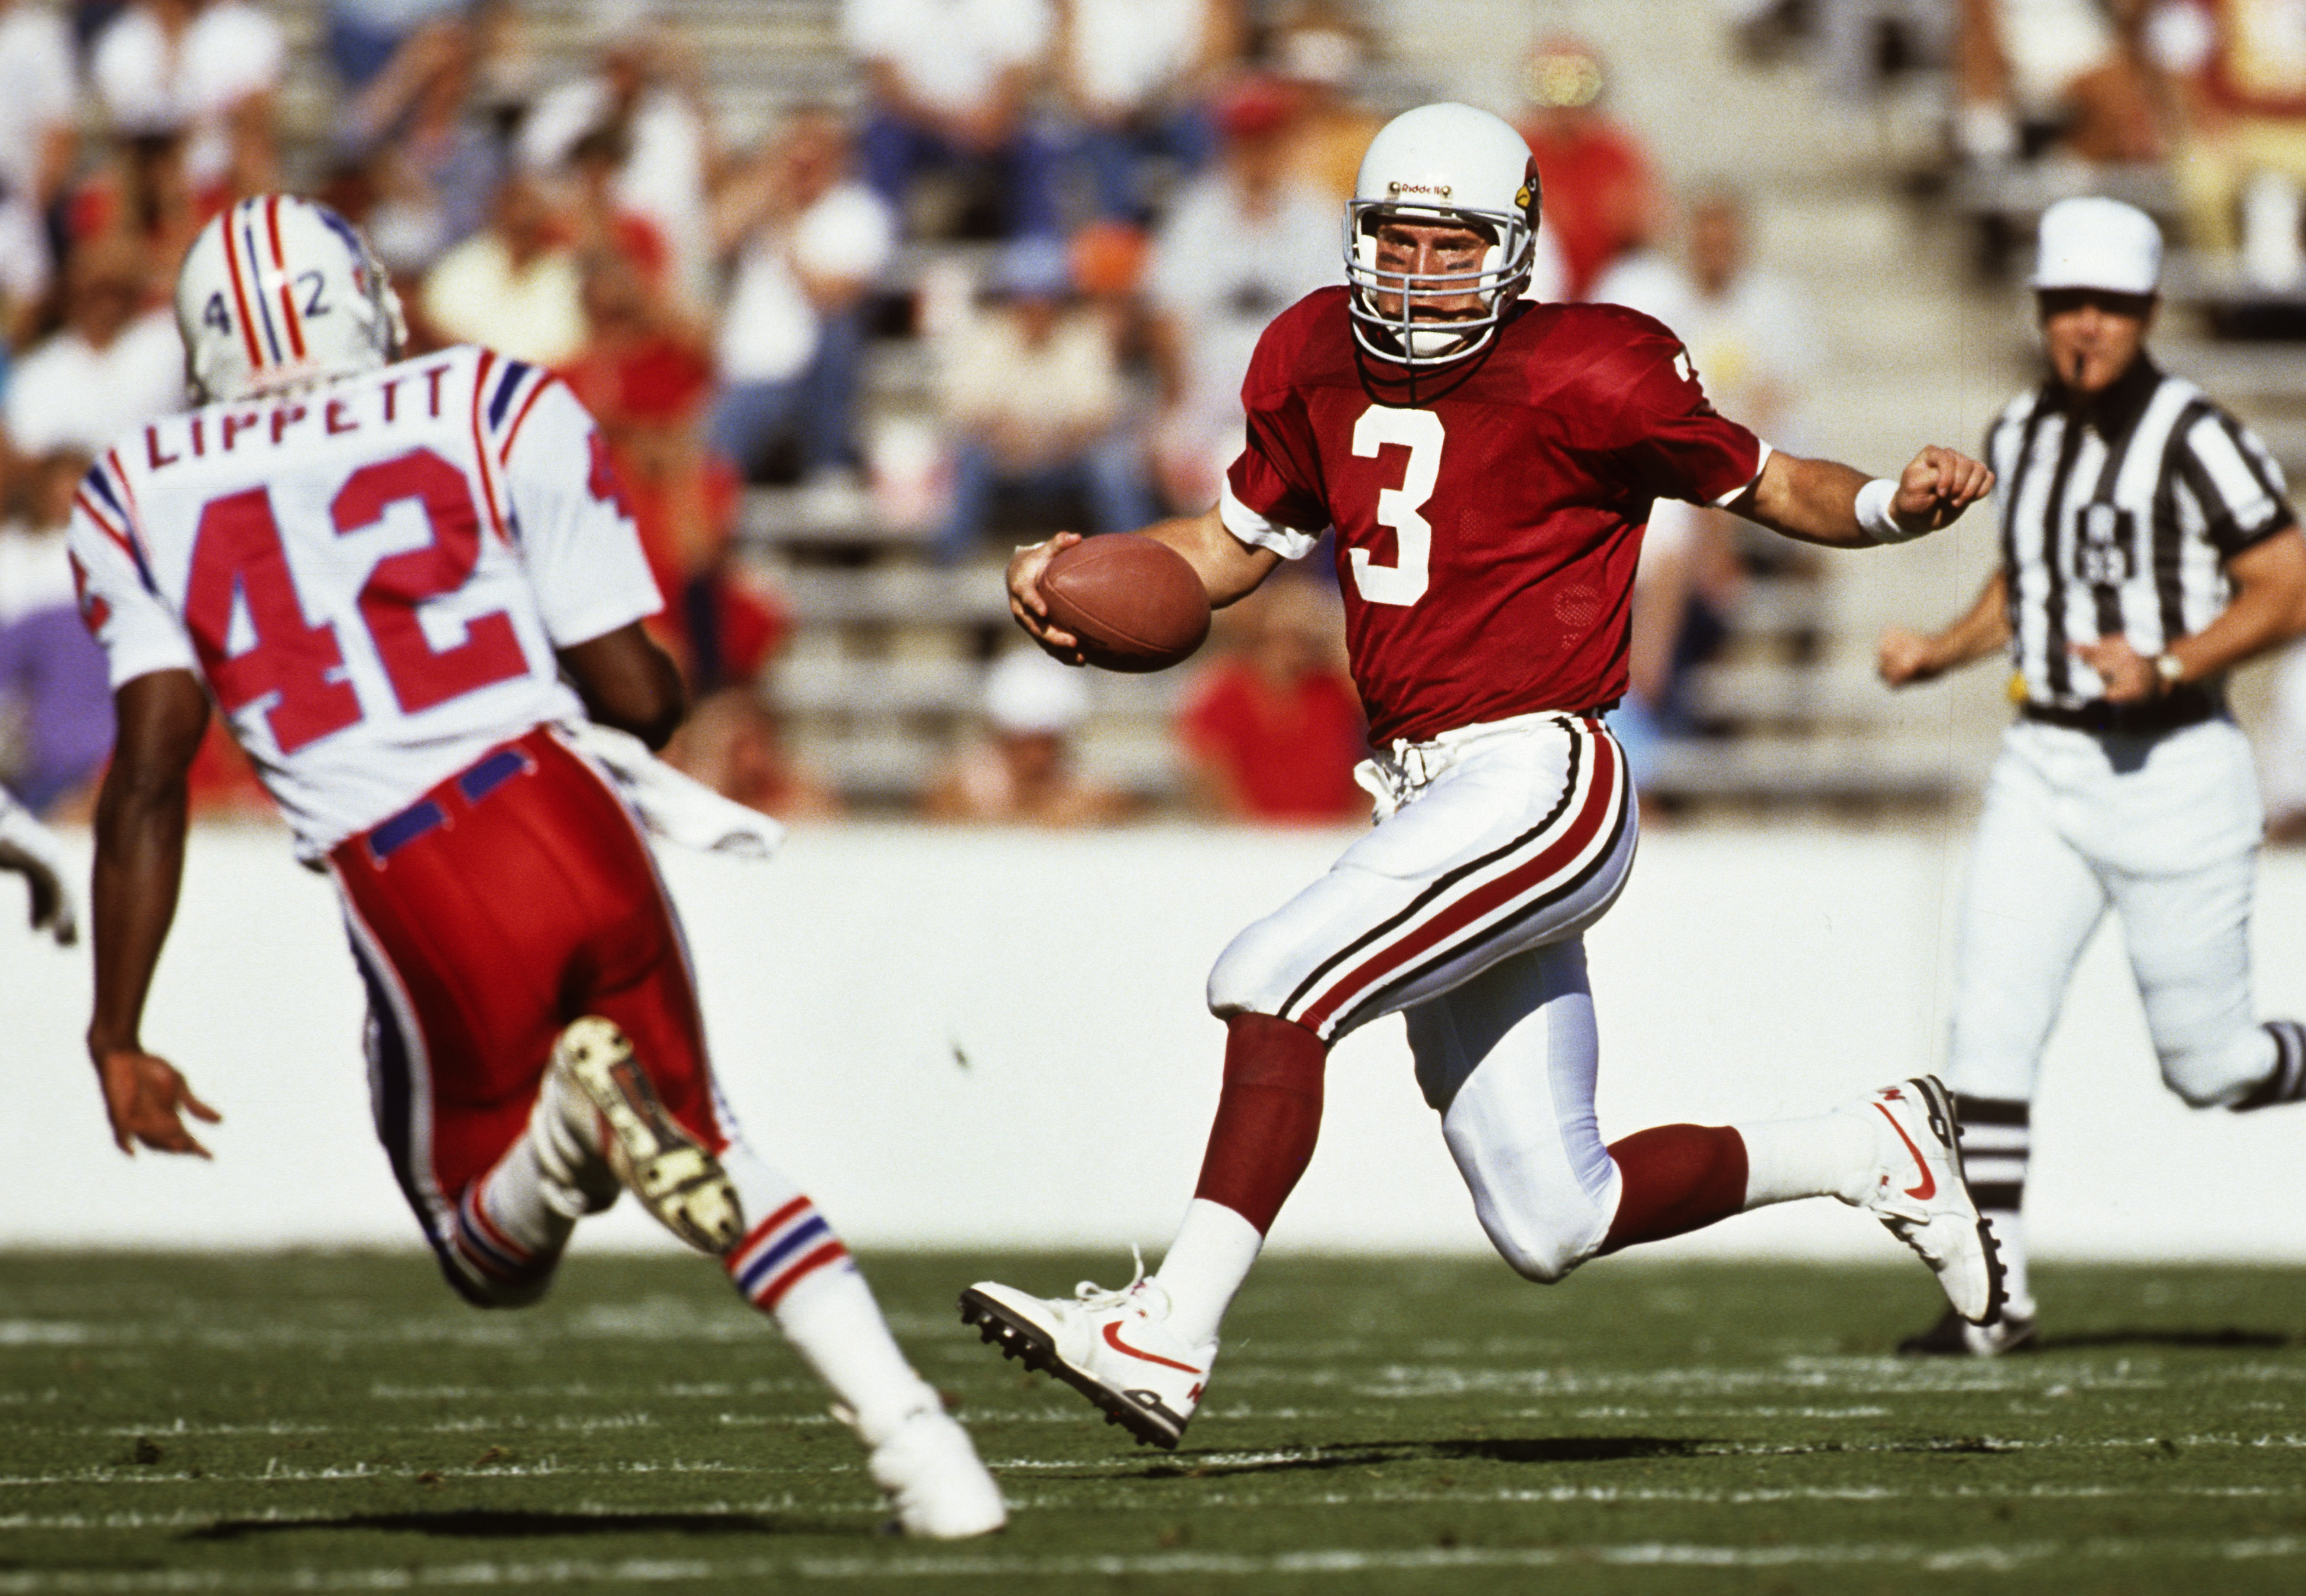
(2146, 549)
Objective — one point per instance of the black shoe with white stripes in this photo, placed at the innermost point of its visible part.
(1954, 1336)
(2287, 1083)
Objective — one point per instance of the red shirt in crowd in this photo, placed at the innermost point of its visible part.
(1598, 194)
(1283, 753)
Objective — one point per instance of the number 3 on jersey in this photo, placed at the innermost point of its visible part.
(239, 560)
(1419, 431)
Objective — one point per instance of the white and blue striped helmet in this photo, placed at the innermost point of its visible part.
(278, 292)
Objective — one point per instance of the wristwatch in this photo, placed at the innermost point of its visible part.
(2169, 671)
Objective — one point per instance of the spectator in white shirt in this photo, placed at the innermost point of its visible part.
(645, 92)
(1750, 331)
(947, 82)
(38, 128)
(111, 368)
(27, 273)
(205, 69)
(1033, 391)
(809, 240)
(1241, 245)
(1136, 75)
(513, 286)
(2075, 67)
(1752, 335)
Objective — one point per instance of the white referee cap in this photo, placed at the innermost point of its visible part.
(2096, 242)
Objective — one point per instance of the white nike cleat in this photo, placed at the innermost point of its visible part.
(596, 1097)
(929, 1470)
(1921, 1193)
(1114, 1347)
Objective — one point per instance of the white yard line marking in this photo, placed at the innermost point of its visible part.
(273, 1474)
(1556, 1495)
(520, 1423)
(1576, 1495)
(721, 1390)
(44, 1332)
(961, 1565)
(1380, 1452)
(561, 1424)
(187, 1519)
(1102, 1468)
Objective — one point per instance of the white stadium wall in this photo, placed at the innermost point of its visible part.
(963, 1040)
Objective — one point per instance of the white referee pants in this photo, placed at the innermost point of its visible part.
(1496, 847)
(2164, 831)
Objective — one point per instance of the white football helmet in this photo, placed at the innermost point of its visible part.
(1441, 163)
(279, 292)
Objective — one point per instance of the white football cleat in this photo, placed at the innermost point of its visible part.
(1921, 1193)
(929, 1470)
(1114, 1347)
(597, 1097)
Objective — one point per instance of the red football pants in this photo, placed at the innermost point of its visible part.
(522, 897)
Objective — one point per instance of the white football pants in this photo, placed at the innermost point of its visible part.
(1496, 847)
(2164, 831)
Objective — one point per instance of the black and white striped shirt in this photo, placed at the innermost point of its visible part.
(2120, 517)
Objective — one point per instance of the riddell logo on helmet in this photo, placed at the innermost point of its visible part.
(1439, 191)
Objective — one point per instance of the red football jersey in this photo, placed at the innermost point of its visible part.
(1488, 519)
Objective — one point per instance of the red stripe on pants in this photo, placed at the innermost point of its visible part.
(1521, 881)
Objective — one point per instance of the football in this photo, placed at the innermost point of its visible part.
(1134, 603)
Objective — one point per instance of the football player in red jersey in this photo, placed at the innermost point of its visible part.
(413, 590)
(1488, 464)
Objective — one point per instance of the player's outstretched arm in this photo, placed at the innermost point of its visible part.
(628, 682)
(1821, 501)
(140, 867)
(1904, 658)
(2267, 609)
(1229, 569)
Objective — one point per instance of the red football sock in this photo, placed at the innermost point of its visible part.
(1267, 1116)
(1676, 1178)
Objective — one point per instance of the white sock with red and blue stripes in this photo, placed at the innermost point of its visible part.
(793, 1268)
(508, 1234)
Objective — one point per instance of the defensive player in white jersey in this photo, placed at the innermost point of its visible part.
(378, 571)
(2146, 549)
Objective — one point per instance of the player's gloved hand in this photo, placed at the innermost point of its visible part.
(146, 1100)
(29, 849)
(1026, 604)
(1936, 487)
(1904, 657)
(2129, 676)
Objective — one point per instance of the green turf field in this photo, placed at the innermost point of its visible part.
(339, 1423)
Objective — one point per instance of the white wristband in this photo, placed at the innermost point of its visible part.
(1872, 511)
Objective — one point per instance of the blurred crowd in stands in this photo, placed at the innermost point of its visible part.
(2202, 102)
(1069, 217)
